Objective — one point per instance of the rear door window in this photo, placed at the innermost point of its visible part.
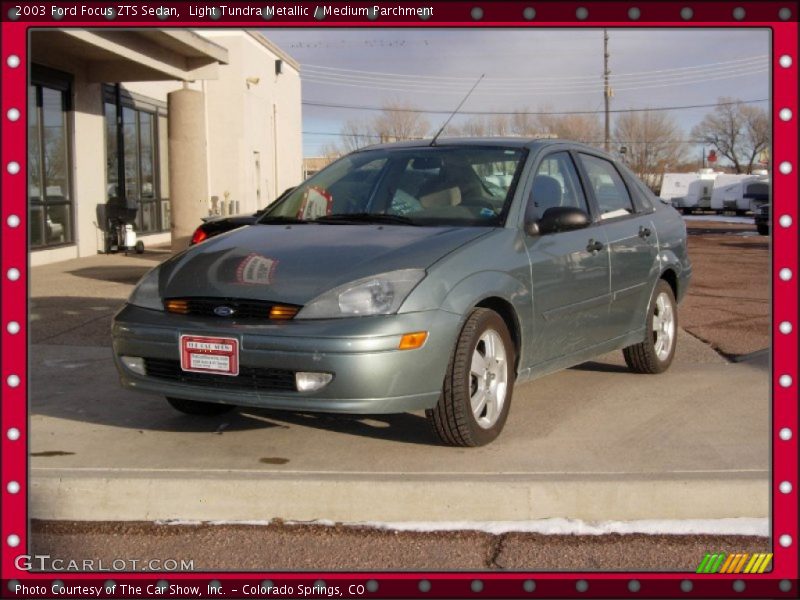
(613, 199)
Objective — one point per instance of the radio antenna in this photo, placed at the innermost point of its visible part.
(438, 133)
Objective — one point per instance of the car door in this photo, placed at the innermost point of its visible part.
(569, 269)
(632, 242)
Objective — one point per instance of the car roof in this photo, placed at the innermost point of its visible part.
(501, 142)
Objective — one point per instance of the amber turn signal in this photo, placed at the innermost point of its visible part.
(177, 306)
(282, 312)
(411, 341)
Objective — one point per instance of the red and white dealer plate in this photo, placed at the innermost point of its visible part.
(215, 355)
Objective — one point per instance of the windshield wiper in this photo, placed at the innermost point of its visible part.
(279, 220)
(366, 218)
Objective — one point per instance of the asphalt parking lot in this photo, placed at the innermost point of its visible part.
(696, 446)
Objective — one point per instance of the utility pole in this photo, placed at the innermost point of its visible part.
(606, 90)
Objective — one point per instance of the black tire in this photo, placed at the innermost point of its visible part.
(452, 418)
(763, 229)
(139, 247)
(686, 211)
(193, 407)
(644, 356)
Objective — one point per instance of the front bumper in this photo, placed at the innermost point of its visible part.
(370, 375)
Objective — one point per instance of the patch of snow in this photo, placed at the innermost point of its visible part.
(556, 526)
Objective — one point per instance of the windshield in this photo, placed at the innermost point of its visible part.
(455, 185)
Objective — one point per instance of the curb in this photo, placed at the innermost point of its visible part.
(101, 495)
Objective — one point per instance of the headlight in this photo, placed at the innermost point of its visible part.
(377, 295)
(145, 294)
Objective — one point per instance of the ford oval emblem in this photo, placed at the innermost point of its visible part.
(223, 311)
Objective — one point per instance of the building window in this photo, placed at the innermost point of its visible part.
(49, 165)
(132, 135)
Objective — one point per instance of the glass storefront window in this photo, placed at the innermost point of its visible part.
(49, 192)
(112, 165)
(139, 160)
(146, 139)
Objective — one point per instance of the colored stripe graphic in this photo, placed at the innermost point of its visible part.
(702, 565)
(718, 564)
(712, 559)
(740, 562)
(752, 563)
(765, 563)
(740, 565)
(736, 560)
(727, 564)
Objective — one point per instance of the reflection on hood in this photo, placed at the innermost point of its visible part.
(256, 270)
(294, 264)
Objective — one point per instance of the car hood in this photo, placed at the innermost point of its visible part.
(296, 263)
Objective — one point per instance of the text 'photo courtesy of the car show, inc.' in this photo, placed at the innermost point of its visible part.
(399, 299)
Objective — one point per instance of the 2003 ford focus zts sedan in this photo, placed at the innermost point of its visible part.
(415, 276)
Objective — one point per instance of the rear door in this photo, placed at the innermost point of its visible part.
(569, 269)
(632, 242)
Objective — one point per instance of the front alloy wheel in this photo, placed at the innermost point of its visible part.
(488, 379)
(476, 396)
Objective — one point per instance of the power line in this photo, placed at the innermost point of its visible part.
(551, 86)
(572, 90)
(522, 112)
(375, 136)
(439, 78)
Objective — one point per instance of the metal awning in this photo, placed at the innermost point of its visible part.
(114, 55)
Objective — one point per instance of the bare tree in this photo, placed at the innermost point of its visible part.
(524, 124)
(756, 132)
(738, 131)
(582, 128)
(482, 126)
(356, 134)
(652, 141)
(398, 121)
(331, 151)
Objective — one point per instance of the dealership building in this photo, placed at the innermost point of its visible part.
(170, 124)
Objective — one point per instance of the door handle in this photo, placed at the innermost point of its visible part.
(644, 232)
(594, 246)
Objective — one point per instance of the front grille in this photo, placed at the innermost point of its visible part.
(243, 308)
(251, 378)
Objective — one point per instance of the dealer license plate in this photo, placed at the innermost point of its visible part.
(216, 355)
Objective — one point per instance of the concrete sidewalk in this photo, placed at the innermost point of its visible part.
(594, 442)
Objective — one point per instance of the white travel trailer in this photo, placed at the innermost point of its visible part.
(740, 193)
(688, 192)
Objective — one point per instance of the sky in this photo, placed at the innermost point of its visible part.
(551, 69)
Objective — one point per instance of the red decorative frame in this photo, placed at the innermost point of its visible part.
(781, 582)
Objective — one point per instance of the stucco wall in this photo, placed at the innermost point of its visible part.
(242, 122)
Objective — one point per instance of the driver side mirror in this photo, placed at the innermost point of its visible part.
(556, 219)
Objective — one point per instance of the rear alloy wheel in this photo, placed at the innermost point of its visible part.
(655, 353)
(476, 397)
(193, 407)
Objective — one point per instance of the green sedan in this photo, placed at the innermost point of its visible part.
(415, 276)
